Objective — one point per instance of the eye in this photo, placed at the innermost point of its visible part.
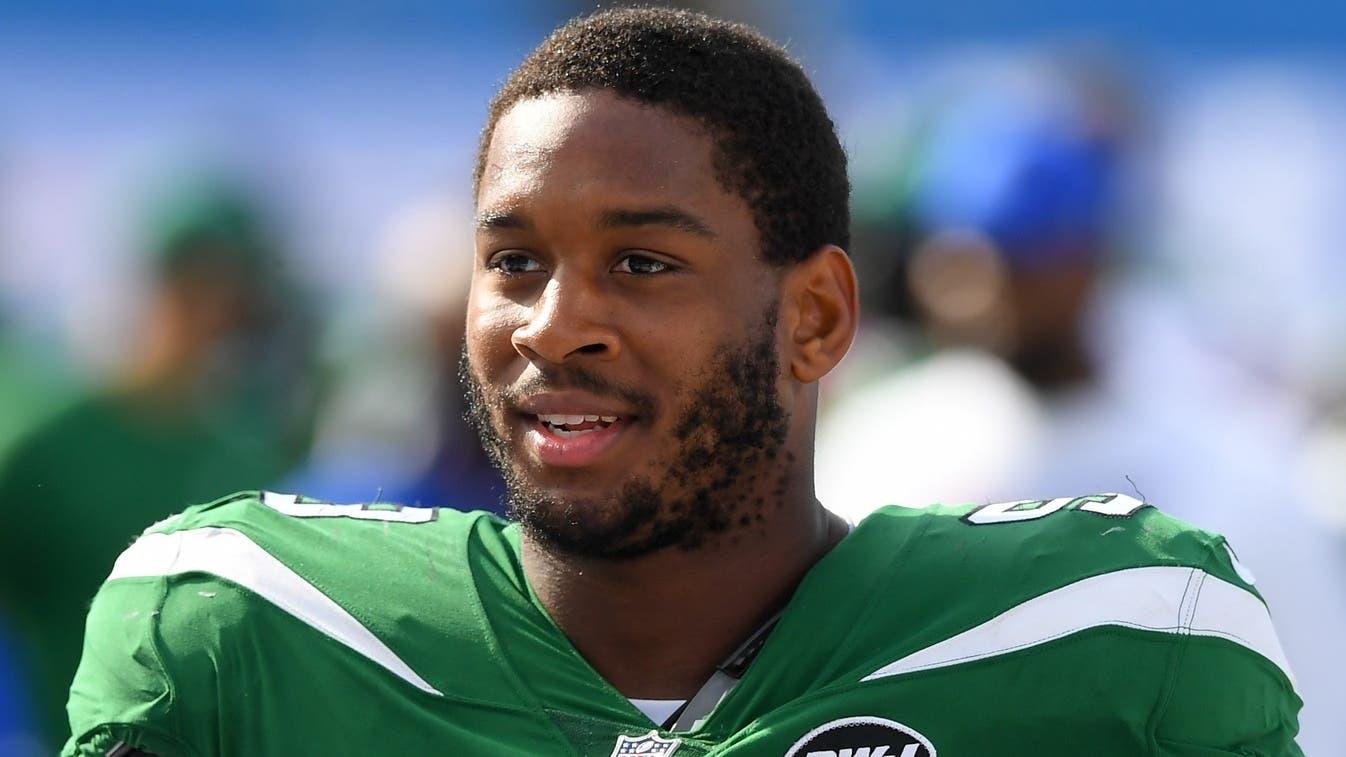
(513, 262)
(641, 265)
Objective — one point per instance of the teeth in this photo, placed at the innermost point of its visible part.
(556, 419)
(557, 422)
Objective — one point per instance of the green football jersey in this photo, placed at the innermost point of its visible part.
(274, 625)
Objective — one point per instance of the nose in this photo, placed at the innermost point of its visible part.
(571, 318)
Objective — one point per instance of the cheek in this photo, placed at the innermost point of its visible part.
(674, 344)
(488, 336)
(690, 351)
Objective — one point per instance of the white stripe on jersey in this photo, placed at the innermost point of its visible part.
(232, 556)
(1164, 599)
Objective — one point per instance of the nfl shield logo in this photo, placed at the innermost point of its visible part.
(649, 745)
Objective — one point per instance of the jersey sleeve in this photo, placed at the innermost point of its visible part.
(123, 691)
(1232, 690)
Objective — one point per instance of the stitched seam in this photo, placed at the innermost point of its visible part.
(1184, 605)
(155, 638)
(1228, 635)
(1170, 684)
(1200, 577)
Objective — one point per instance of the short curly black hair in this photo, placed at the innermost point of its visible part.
(774, 143)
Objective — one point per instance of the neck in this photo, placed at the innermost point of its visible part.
(657, 626)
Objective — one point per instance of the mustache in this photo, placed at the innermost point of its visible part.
(552, 378)
(558, 378)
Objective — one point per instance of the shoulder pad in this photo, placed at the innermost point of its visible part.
(984, 579)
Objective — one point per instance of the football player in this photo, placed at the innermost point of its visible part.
(661, 280)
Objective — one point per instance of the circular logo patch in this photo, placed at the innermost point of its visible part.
(863, 736)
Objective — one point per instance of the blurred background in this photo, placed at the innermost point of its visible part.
(1100, 249)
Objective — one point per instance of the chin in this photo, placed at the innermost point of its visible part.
(609, 522)
(578, 488)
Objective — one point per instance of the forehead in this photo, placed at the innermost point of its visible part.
(577, 142)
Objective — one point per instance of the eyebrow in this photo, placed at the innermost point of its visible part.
(502, 219)
(667, 215)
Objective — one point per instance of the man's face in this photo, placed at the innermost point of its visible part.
(622, 349)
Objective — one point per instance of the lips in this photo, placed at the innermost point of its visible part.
(573, 449)
(572, 429)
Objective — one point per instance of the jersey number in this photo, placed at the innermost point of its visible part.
(290, 505)
(1112, 505)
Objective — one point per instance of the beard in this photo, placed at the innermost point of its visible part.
(731, 428)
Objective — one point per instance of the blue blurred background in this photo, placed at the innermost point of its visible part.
(1100, 246)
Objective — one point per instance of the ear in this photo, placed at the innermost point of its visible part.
(821, 311)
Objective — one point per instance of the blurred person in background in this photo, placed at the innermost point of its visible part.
(206, 399)
(394, 429)
(1034, 364)
(995, 244)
